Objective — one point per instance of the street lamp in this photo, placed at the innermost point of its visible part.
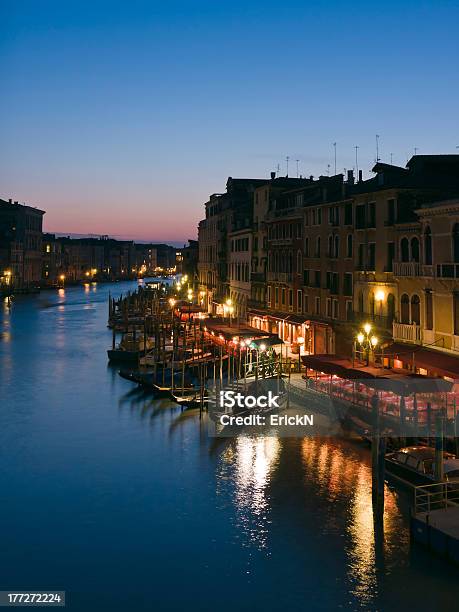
(367, 342)
(62, 279)
(300, 341)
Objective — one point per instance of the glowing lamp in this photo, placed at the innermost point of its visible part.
(374, 340)
(367, 328)
(360, 338)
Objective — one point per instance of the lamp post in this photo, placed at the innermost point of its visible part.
(62, 279)
(300, 341)
(367, 341)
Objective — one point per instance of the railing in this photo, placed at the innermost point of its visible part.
(437, 496)
(258, 277)
(412, 268)
(280, 277)
(407, 332)
(407, 268)
(448, 270)
(280, 241)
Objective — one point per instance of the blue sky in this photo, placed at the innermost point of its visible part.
(122, 118)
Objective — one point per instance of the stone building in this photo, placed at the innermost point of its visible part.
(20, 245)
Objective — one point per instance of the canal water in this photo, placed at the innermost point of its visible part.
(126, 504)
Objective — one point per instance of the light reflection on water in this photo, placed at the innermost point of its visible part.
(250, 462)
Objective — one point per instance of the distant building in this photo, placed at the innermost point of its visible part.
(20, 245)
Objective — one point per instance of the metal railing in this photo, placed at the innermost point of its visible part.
(437, 496)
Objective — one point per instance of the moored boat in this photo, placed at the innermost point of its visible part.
(416, 465)
(130, 349)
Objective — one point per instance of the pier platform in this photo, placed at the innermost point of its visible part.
(435, 521)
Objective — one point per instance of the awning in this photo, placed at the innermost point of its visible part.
(377, 378)
(433, 361)
(268, 341)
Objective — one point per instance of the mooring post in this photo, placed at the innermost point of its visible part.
(377, 461)
(439, 471)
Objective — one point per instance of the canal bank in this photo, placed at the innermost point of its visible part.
(125, 502)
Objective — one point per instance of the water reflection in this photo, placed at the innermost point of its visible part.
(250, 463)
(343, 473)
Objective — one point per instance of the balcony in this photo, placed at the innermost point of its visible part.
(258, 277)
(380, 321)
(406, 332)
(280, 277)
(280, 241)
(448, 270)
(412, 268)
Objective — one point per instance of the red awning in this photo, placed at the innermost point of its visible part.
(433, 361)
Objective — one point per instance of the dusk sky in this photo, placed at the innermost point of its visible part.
(121, 118)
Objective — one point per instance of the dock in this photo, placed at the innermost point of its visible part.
(435, 521)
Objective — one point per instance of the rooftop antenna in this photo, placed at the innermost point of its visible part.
(287, 160)
(356, 160)
(278, 169)
(297, 170)
(328, 169)
(415, 150)
(391, 159)
(334, 146)
(377, 148)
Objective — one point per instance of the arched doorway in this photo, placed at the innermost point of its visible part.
(404, 249)
(428, 246)
(415, 309)
(456, 243)
(415, 249)
(391, 307)
(405, 309)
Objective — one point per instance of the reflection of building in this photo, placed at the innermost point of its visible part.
(20, 245)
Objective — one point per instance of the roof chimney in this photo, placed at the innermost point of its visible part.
(273, 175)
(360, 176)
(10, 201)
(350, 177)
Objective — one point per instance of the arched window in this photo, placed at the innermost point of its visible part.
(336, 247)
(318, 246)
(391, 307)
(456, 243)
(330, 246)
(349, 246)
(428, 246)
(371, 303)
(299, 263)
(415, 309)
(405, 309)
(306, 247)
(361, 301)
(404, 249)
(414, 249)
